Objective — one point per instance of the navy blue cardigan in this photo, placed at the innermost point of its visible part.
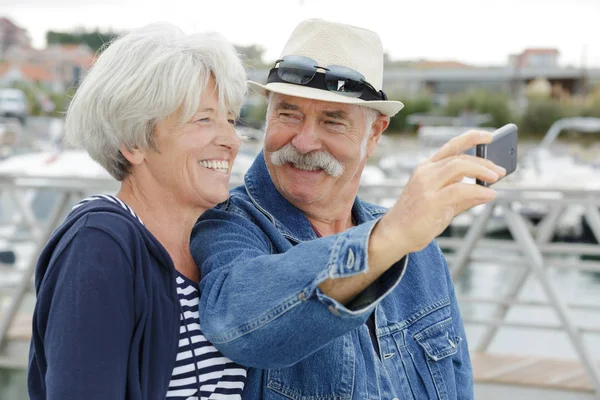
(106, 321)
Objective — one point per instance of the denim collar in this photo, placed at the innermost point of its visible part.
(287, 218)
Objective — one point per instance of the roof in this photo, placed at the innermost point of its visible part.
(31, 72)
(474, 74)
(439, 64)
(540, 50)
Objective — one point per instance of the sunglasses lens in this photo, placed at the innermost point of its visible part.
(297, 69)
(344, 81)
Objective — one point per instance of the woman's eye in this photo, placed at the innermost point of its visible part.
(204, 120)
(231, 121)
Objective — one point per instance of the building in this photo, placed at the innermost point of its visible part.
(535, 58)
(403, 82)
(11, 35)
(68, 63)
(27, 73)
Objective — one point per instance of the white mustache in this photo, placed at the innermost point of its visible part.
(312, 160)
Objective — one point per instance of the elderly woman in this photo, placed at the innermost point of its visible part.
(116, 314)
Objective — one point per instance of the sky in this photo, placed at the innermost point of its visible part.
(478, 32)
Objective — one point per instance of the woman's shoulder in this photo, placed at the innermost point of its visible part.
(94, 226)
(108, 215)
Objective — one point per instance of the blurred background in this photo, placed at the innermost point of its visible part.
(526, 267)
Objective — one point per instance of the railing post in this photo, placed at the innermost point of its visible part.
(536, 263)
(475, 232)
(544, 235)
(23, 287)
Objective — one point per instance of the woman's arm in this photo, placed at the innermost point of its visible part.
(84, 320)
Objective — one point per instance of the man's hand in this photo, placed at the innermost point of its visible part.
(433, 196)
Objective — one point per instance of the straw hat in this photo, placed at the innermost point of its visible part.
(330, 43)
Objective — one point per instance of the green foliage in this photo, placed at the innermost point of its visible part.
(95, 40)
(35, 93)
(497, 105)
(61, 101)
(31, 95)
(541, 114)
(253, 113)
(592, 109)
(412, 105)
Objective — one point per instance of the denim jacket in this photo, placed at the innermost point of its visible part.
(261, 265)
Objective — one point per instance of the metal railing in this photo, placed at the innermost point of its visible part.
(534, 243)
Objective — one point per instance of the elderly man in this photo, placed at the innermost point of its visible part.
(322, 295)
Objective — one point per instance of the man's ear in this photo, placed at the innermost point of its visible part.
(134, 156)
(378, 127)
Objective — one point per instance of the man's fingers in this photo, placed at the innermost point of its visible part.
(463, 196)
(482, 161)
(454, 169)
(462, 143)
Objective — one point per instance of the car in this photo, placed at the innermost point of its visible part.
(14, 104)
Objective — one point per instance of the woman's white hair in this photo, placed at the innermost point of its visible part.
(142, 78)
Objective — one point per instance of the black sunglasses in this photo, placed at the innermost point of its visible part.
(300, 70)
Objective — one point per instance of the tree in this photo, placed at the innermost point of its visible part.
(95, 40)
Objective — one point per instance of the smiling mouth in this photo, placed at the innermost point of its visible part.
(306, 168)
(218, 166)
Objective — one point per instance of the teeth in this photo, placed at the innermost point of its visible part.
(306, 168)
(221, 166)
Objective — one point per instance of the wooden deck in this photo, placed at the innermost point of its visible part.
(544, 373)
(20, 328)
(530, 371)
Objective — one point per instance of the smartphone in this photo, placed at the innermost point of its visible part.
(502, 150)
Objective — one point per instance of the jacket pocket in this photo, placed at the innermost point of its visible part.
(438, 343)
(327, 374)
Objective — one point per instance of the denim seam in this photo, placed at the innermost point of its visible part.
(297, 396)
(439, 326)
(332, 265)
(414, 363)
(260, 321)
(438, 385)
(267, 214)
(388, 330)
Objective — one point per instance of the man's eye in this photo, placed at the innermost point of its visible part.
(335, 125)
(289, 117)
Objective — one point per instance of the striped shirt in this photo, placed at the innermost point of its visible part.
(201, 372)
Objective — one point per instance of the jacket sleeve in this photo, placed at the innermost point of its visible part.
(265, 310)
(84, 320)
(463, 371)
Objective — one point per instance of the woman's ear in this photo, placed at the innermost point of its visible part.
(134, 156)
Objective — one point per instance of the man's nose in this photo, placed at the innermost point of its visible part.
(307, 139)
